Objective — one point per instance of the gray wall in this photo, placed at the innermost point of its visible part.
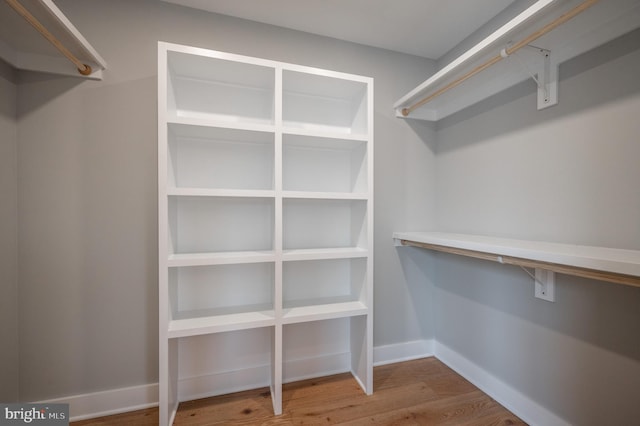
(8, 235)
(568, 174)
(87, 207)
(87, 185)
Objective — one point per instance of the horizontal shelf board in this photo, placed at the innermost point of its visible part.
(325, 253)
(328, 132)
(24, 52)
(264, 193)
(608, 260)
(212, 192)
(194, 326)
(322, 142)
(323, 312)
(221, 258)
(207, 120)
(326, 195)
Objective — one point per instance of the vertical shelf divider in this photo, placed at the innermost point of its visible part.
(278, 232)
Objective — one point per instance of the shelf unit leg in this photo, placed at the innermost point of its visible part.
(168, 381)
(276, 371)
(361, 352)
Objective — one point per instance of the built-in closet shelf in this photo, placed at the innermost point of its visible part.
(195, 120)
(25, 48)
(198, 325)
(601, 263)
(325, 253)
(265, 213)
(325, 195)
(344, 135)
(222, 258)
(323, 312)
(206, 192)
(449, 90)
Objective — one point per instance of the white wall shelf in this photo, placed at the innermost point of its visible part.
(600, 263)
(324, 312)
(265, 219)
(24, 48)
(598, 24)
(325, 254)
(221, 258)
(199, 325)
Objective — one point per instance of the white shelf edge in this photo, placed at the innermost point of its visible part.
(608, 260)
(223, 258)
(323, 312)
(181, 48)
(57, 64)
(527, 14)
(323, 132)
(356, 196)
(73, 31)
(324, 254)
(220, 323)
(223, 124)
(206, 192)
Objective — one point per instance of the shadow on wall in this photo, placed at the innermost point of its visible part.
(48, 88)
(425, 130)
(418, 269)
(623, 85)
(599, 313)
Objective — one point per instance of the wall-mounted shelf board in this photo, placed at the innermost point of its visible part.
(22, 47)
(601, 263)
(600, 23)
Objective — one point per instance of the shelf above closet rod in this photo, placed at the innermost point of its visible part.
(43, 39)
(598, 263)
(562, 29)
(504, 53)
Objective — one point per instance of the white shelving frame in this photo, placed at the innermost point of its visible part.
(265, 196)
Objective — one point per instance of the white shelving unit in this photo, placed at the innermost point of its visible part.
(265, 217)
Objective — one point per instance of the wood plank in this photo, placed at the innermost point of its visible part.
(418, 392)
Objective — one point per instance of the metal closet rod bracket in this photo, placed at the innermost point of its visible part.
(544, 73)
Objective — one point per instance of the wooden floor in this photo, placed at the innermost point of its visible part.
(421, 392)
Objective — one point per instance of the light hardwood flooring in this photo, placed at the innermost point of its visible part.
(420, 392)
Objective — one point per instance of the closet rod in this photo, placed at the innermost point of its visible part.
(613, 277)
(83, 69)
(505, 52)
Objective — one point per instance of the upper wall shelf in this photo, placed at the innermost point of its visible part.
(27, 28)
(600, 263)
(594, 23)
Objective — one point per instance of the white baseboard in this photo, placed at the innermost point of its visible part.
(519, 404)
(106, 403)
(116, 401)
(206, 385)
(138, 397)
(406, 351)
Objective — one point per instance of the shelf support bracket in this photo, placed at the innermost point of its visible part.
(545, 74)
(547, 81)
(545, 283)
